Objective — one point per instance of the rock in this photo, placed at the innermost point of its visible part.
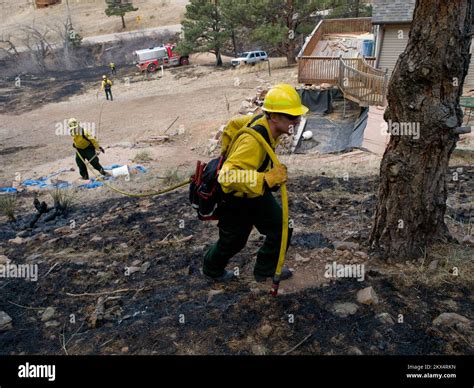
(144, 267)
(17, 240)
(48, 314)
(343, 310)
(52, 324)
(367, 296)
(63, 230)
(433, 265)
(345, 245)
(124, 349)
(41, 237)
(362, 254)
(96, 238)
(298, 257)
(450, 320)
(265, 330)
(255, 291)
(4, 260)
(213, 293)
(385, 318)
(469, 240)
(5, 321)
(136, 263)
(302, 259)
(354, 351)
(259, 350)
(182, 297)
(123, 245)
(131, 270)
(327, 250)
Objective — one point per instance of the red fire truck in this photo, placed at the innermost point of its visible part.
(154, 57)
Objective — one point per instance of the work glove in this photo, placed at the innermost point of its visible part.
(101, 150)
(276, 176)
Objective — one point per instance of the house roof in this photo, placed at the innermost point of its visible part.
(392, 11)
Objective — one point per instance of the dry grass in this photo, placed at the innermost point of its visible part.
(8, 205)
(455, 266)
(63, 198)
(142, 157)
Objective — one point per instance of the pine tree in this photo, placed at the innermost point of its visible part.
(119, 8)
(205, 29)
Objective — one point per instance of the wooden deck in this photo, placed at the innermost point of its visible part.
(354, 75)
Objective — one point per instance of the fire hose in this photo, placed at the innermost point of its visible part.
(284, 201)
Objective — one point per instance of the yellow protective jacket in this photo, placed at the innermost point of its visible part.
(105, 83)
(83, 139)
(239, 172)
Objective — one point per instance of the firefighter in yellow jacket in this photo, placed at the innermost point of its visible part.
(87, 147)
(113, 68)
(107, 86)
(247, 178)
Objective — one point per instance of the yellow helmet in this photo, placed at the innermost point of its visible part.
(72, 123)
(104, 77)
(284, 98)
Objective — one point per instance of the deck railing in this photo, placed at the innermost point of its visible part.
(360, 86)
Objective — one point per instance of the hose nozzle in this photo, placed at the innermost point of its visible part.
(275, 286)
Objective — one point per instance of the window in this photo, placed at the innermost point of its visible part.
(257, 55)
(252, 55)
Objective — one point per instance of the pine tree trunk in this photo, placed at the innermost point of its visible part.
(218, 57)
(290, 53)
(424, 92)
(234, 43)
(123, 22)
(356, 8)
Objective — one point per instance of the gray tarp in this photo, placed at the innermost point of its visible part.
(333, 136)
(319, 101)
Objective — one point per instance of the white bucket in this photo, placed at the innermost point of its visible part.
(120, 171)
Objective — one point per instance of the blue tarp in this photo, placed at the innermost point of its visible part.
(8, 190)
(42, 182)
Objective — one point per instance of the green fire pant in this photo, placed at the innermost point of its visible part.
(237, 216)
(87, 154)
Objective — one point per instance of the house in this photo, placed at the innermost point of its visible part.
(339, 53)
(392, 21)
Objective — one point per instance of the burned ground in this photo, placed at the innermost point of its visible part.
(165, 306)
(36, 90)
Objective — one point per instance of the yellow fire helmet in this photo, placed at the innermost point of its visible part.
(72, 123)
(283, 98)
